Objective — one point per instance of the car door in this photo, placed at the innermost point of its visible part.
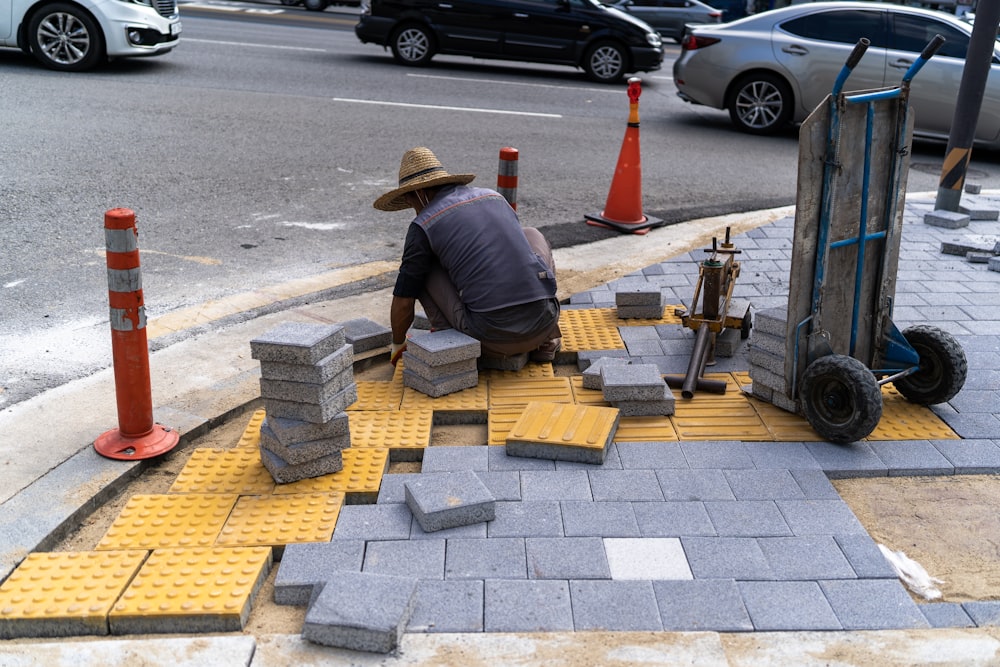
(467, 26)
(6, 7)
(546, 30)
(934, 90)
(814, 47)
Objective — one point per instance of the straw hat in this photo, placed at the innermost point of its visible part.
(419, 169)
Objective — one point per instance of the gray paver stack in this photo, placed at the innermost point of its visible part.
(637, 390)
(307, 382)
(639, 303)
(767, 359)
(441, 362)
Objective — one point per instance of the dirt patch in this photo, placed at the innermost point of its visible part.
(950, 525)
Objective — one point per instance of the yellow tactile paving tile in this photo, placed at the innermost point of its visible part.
(590, 329)
(192, 590)
(374, 395)
(155, 521)
(281, 519)
(530, 370)
(645, 429)
(902, 420)
(500, 422)
(473, 399)
(709, 416)
(211, 470)
(392, 429)
(251, 435)
(66, 593)
(784, 426)
(565, 425)
(361, 476)
(518, 392)
(583, 396)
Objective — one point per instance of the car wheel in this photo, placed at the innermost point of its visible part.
(840, 398)
(943, 366)
(761, 103)
(413, 45)
(316, 5)
(64, 37)
(605, 62)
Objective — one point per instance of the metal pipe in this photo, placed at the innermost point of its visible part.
(697, 362)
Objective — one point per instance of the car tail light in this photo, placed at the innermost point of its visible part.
(693, 42)
(715, 16)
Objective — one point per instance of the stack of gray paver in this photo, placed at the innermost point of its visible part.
(307, 383)
(645, 303)
(441, 362)
(637, 390)
(767, 359)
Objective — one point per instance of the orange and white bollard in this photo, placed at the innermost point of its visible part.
(136, 437)
(507, 176)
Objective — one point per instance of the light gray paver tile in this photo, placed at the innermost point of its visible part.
(713, 605)
(646, 558)
(820, 517)
(865, 557)
(566, 558)
(651, 455)
(879, 604)
(746, 518)
(496, 558)
(724, 454)
(500, 462)
(526, 519)
(676, 518)
(390, 489)
(423, 559)
(763, 485)
(970, 456)
(303, 565)
(946, 615)
(815, 485)
(787, 605)
(912, 457)
(504, 485)
(854, 460)
(373, 522)
(449, 499)
(787, 455)
(806, 558)
(737, 558)
(448, 606)
(614, 606)
(452, 459)
(600, 519)
(474, 530)
(703, 484)
(630, 485)
(538, 485)
(527, 606)
(984, 613)
(973, 425)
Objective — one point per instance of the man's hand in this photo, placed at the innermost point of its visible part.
(396, 352)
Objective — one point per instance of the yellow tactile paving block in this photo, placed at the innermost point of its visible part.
(500, 422)
(361, 475)
(192, 590)
(645, 429)
(590, 329)
(251, 435)
(281, 519)
(518, 392)
(709, 416)
(155, 521)
(392, 429)
(583, 396)
(211, 470)
(902, 420)
(377, 396)
(63, 594)
(580, 426)
(530, 370)
(473, 399)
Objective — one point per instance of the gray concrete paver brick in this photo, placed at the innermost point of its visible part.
(984, 613)
(971, 456)
(787, 605)
(719, 454)
(946, 615)
(423, 559)
(701, 605)
(602, 519)
(537, 485)
(866, 604)
(373, 522)
(494, 558)
(447, 606)
(806, 558)
(673, 519)
(747, 518)
(526, 519)
(763, 484)
(913, 457)
(865, 557)
(819, 517)
(853, 460)
(650, 455)
(626, 606)
(449, 500)
(737, 558)
(566, 558)
(527, 606)
(499, 461)
(304, 565)
(458, 458)
(700, 484)
(632, 485)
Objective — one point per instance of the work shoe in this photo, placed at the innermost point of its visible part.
(546, 352)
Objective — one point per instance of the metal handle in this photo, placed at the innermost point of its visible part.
(932, 47)
(852, 61)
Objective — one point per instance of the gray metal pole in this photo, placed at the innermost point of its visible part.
(970, 99)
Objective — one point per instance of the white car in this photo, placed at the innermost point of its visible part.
(74, 35)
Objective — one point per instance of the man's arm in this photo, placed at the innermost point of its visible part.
(401, 317)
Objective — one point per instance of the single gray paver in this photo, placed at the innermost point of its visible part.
(845, 461)
(787, 605)
(285, 473)
(527, 606)
(303, 565)
(746, 518)
(639, 312)
(474, 530)
(494, 558)
(584, 358)
(970, 456)
(449, 459)
(806, 558)
(702, 484)
(820, 517)
(503, 484)
(448, 500)
(302, 452)
(602, 519)
(726, 558)
(632, 382)
(391, 490)
(946, 219)
(374, 522)
(672, 519)
(879, 604)
(423, 559)
(630, 485)
(447, 606)
(305, 392)
(499, 461)
(614, 606)
(322, 371)
(566, 558)
(984, 613)
(313, 412)
(360, 611)
(725, 454)
(764, 485)
(363, 334)
(441, 386)
(865, 557)
(437, 373)
(297, 343)
(291, 431)
(611, 461)
(701, 605)
(946, 615)
(591, 377)
(526, 519)
(781, 455)
(650, 455)
(912, 457)
(815, 485)
(437, 348)
(639, 296)
(539, 485)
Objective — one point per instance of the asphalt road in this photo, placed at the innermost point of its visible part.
(252, 153)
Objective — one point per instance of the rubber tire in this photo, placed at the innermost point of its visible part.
(764, 92)
(746, 325)
(413, 45)
(943, 366)
(840, 398)
(606, 62)
(87, 28)
(315, 5)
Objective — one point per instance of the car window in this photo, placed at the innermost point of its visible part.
(911, 33)
(646, 3)
(846, 26)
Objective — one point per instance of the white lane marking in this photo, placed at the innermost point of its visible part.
(609, 89)
(446, 108)
(260, 46)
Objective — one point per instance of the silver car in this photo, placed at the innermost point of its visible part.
(670, 16)
(774, 68)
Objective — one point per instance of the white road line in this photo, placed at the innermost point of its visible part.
(260, 46)
(445, 108)
(609, 89)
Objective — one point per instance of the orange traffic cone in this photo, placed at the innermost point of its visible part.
(623, 209)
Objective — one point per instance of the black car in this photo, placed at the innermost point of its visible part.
(604, 41)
